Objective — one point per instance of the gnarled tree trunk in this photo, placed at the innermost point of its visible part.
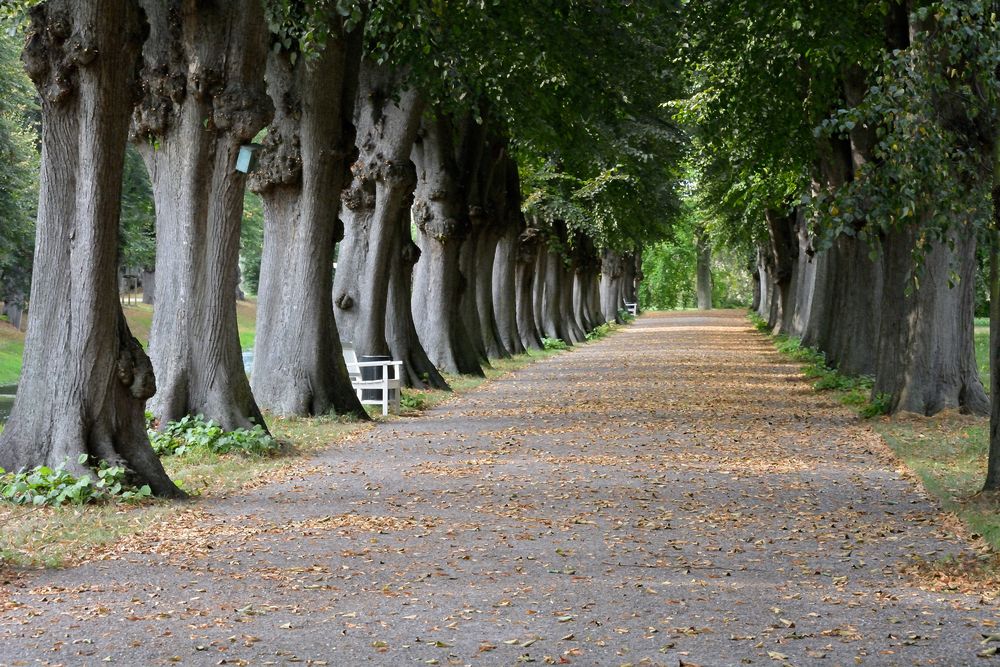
(441, 216)
(203, 98)
(299, 367)
(85, 378)
(384, 179)
(400, 331)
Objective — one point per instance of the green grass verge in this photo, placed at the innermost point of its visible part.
(11, 351)
(948, 453)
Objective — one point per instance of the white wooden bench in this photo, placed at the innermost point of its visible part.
(632, 308)
(389, 387)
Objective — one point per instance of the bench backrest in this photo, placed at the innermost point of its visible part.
(350, 357)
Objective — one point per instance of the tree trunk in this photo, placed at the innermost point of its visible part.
(85, 378)
(400, 331)
(442, 219)
(528, 250)
(384, 179)
(804, 281)
(703, 280)
(926, 352)
(757, 291)
(538, 283)
(567, 305)
(469, 269)
(846, 308)
(595, 295)
(13, 310)
(554, 324)
(203, 98)
(764, 273)
(506, 290)
(611, 276)
(299, 367)
(784, 250)
(629, 274)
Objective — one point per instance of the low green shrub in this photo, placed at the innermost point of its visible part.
(554, 344)
(758, 322)
(412, 401)
(600, 331)
(191, 434)
(853, 391)
(878, 405)
(43, 485)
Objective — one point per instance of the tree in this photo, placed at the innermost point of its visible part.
(299, 367)
(703, 270)
(203, 98)
(85, 377)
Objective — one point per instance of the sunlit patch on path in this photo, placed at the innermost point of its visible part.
(675, 492)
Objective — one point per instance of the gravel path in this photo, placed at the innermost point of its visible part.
(674, 494)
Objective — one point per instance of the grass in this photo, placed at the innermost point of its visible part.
(11, 350)
(983, 351)
(61, 536)
(947, 452)
(140, 321)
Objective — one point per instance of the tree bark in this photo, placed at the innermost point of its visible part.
(400, 331)
(442, 219)
(506, 294)
(847, 307)
(784, 250)
(766, 285)
(538, 281)
(611, 276)
(85, 378)
(555, 314)
(804, 280)
(567, 304)
(926, 351)
(993, 457)
(703, 271)
(299, 368)
(528, 245)
(755, 303)
(384, 179)
(203, 98)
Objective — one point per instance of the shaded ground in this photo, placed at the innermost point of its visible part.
(672, 494)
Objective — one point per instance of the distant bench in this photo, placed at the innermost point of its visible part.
(632, 308)
(387, 387)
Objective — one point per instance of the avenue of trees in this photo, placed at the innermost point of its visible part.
(479, 185)
(853, 148)
(485, 175)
